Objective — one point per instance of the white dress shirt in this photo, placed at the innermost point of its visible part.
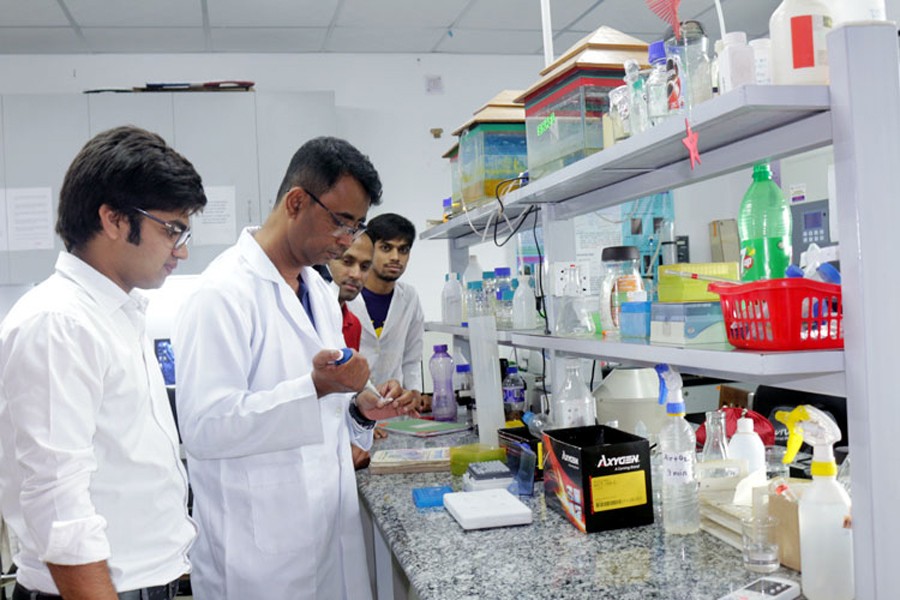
(89, 463)
(270, 463)
(397, 354)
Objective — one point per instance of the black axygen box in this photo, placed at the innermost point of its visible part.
(598, 477)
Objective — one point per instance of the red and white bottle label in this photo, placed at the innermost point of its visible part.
(808, 47)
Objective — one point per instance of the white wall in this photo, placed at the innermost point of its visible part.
(382, 105)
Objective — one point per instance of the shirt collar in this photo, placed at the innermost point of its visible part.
(100, 287)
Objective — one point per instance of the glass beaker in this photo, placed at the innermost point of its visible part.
(573, 316)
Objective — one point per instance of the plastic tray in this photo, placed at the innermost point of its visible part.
(782, 314)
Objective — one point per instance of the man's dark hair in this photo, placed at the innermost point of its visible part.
(321, 161)
(391, 226)
(125, 168)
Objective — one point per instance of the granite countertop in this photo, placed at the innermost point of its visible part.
(549, 558)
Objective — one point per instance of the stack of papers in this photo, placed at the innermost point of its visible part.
(410, 460)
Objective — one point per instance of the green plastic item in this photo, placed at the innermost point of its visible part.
(764, 224)
(461, 456)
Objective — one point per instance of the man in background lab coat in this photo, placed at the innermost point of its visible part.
(266, 417)
(389, 310)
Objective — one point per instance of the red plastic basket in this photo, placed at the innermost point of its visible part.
(782, 314)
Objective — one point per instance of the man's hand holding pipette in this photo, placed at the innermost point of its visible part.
(387, 400)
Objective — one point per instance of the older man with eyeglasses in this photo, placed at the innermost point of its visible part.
(266, 415)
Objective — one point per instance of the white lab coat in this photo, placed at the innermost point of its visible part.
(269, 462)
(397, 354)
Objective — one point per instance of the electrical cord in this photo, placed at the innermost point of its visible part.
(515, 229)
(540, 281)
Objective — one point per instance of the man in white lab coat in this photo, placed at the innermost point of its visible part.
(266, 416)
(389, 310)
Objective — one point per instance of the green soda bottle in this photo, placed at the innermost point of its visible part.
(764, 225)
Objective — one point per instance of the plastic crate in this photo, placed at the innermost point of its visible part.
(782, 314)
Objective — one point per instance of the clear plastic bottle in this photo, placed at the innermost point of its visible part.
(472, 272)
(537, 423)
(524, 312)
(502, 279)
(764, 226)
(762, 60)
(639, 118)
(798, 29)
(737, 65)
(677, 443)
(657, 97)
(503, 308)
(452, 300)
(475, 304)
(443, 401)
(573, 405)
(489, 285)
(513, 394)
(463, 386)
(746, 444)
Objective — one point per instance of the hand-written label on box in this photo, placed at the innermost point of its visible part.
(678, 467)
(618, 491)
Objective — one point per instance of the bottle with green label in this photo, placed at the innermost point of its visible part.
(764, 225)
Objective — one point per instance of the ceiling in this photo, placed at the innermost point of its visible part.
(344, 26)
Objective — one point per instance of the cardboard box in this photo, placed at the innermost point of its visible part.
(724, 242)
(598, 477)
(788, 531)
(510, 439)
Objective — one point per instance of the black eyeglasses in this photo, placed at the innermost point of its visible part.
(176, 231)
(342, 227)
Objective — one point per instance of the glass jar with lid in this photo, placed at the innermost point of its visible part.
(621, 283)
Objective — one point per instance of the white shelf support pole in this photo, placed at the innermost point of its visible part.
(865, 97)
(547, 31)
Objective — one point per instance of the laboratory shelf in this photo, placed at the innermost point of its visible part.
(504, 336)
(812, 370)
(820, 371)
(735, 130)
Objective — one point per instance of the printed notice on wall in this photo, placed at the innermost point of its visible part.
(217, 223)
(29, 218)
(594, 232)
(4, 242)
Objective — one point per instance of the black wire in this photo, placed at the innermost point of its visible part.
(506, 182)
(593, 369)
(518, 226)
(540, 278)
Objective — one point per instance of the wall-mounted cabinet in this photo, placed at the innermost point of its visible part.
(41, 135)
(236, 140)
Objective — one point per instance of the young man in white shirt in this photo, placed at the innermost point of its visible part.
(91, 481)
(266, 416)
(389, 310)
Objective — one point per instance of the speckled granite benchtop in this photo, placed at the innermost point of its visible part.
(549, 559)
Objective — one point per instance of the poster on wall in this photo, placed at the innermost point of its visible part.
(29, 219)
(594, 232)
(217, 223)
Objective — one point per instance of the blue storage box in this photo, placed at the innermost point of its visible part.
(634, 319)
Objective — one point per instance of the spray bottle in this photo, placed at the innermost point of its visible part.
(826, 541)
(678, 446)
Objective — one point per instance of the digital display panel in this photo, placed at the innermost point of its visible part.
(812, 220)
